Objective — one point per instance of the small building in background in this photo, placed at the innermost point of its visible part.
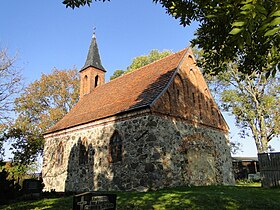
(243, 166)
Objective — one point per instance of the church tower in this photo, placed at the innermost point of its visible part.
(93, 73)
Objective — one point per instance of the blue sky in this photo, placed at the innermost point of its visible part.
(46, 35)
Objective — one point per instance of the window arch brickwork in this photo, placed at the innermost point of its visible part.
(60, 154)
(83, 152)
(115, 148)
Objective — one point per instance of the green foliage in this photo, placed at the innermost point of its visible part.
(242, 32)
(117, 74)
(154, 55)
(195, 198)
(254, 102)
(63, 203)
(143, 60)
(248, 183)
(25, 146)
(39, 107)
(77, 3)
(47, 100)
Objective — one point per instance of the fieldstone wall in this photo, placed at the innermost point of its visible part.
(158, 152)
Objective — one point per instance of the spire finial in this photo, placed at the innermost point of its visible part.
(94, 33)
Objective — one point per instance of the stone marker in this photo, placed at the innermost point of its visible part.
(94, 200)
(32, 186)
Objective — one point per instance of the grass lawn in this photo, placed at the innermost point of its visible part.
(206, 197)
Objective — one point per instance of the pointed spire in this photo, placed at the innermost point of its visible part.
(93, 57)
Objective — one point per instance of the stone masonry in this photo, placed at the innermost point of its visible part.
(158, 152)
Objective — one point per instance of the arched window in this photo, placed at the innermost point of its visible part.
(192, 78)
(180, 89)
(115, 148)
(190, 60)
(193, 98)
(200, 104)
(59, 154)
(85, 85)
(83, 152)
(96, 81)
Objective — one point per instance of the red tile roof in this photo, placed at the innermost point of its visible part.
(134, 90)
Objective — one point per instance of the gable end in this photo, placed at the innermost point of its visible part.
(188, 97)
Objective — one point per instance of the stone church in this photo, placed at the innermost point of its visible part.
(152, 128)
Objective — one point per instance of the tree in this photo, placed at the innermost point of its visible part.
(15, 171)
(78, 3)
(39, 107)
(10, 86)
(117, 74)
(254, 102)
(25, 146)
(244, 32)
(140, 61)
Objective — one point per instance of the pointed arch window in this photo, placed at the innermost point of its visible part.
(85, 85)
(96, 81)
(115, 148)
(193, 97)
(83, 152)
(59, 154)
(180, 89)
(191, 60)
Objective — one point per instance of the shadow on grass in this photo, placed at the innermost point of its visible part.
(63, 203)
(211, 197)
(194, 198)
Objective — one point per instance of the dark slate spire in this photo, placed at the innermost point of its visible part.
(93, 57)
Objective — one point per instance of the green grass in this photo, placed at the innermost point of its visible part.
(248, 184)
(64, 203)
(195, 198)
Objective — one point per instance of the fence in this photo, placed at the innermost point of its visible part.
(270, 169)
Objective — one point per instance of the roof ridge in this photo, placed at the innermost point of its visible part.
(134, 70)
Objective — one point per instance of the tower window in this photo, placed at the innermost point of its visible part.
(85, 84)
(115, 148)
(96, 81)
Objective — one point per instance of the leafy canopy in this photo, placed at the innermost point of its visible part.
(254, 102)
(243, 32)
(142, 60)
(40, 106)
(78, 3)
